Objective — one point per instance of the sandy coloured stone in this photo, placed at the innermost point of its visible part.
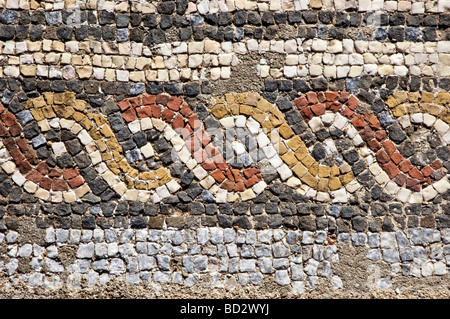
(301, 153)
(106, 156)
(385, 69)
(334, 46)
(347, 178)
(291, 59)
(421, 107)
(44, 125)
(413, 96)
(267, 125)
(245, 109)
(230, 98)
(300, 170)
(232, 109)
(412, 108)
(334, 183)
(434, 109)
(131, 195)
(76, 128)
(99, 119)
(117, 156)
(276, 111)
(28, 70)
(334, 171)
(101, 144)
(264, 105)
(48, 97)
(48, 112)
(282, 149)
(68, 98)
(295, 143)
(82, 190)
(219, 111)
(110, 177)
(275, 120)
(308, 161)
(80, 105)
(286, 131)
(207, 182)
(37, 114)
(315, 4)
(152, 184)
(442, 98)
(322, 185)
(392, 102)
(400, 96)
(330, 71)
(324, 171)
(147, 176)
(124, 166)
(113, 144)
(59, 109)
(399, 111)
(137, 76)
(9, 167)
(445, 116)
(95, 157)
(314, 169)
(290, 159)
(427, 97)
(84, 72)
(70, 197)
(39, 102)
(259, 115)
(94, 133)
(310, 180)
(140, 185)
(67, 112)
(241, 98)
(78, 116)
(133, 173)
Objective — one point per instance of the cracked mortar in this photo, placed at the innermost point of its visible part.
(243, 76)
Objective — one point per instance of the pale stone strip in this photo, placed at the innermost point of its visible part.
(215, 6)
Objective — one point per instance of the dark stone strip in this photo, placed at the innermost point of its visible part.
(67, 25)
(238, 18)
(378, 217)
(16, 91)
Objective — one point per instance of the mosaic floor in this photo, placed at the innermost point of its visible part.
(239, 142)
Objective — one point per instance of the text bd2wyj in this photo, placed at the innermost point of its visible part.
(225, 308)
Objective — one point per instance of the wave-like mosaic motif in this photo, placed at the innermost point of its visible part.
(252, 138)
